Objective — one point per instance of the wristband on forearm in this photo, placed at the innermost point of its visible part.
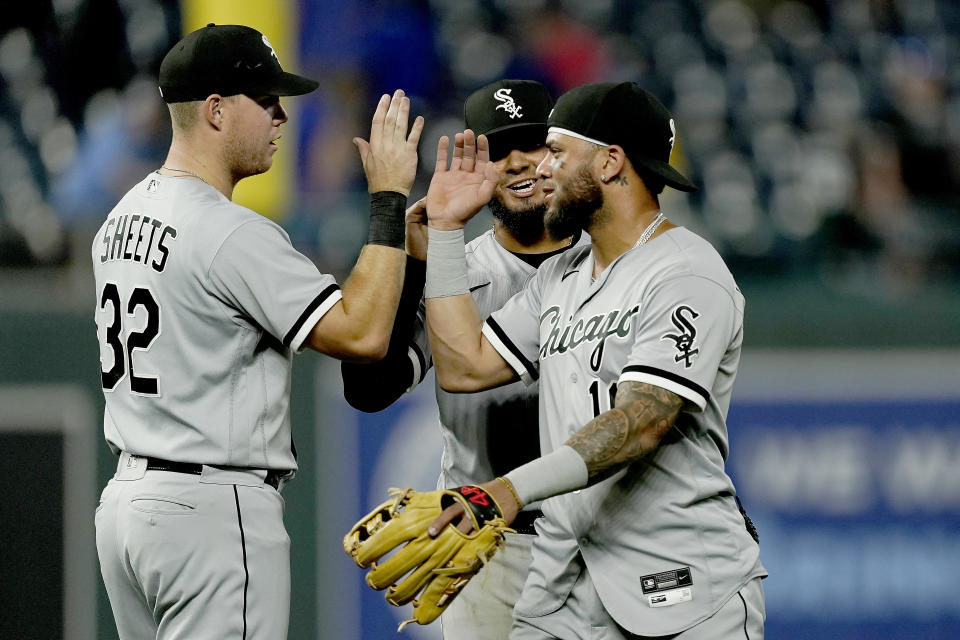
(446, 264)
(387, 209)
(559, 472)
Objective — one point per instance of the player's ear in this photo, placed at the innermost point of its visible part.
(212, 110)
(612, 162)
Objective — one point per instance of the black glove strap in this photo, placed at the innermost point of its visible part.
(387, 212)
(481, 503)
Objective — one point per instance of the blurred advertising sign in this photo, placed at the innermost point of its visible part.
(850, 465)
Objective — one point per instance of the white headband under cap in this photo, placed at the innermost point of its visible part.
(574, 134)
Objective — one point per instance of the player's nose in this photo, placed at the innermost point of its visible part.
(280, 114)
(516, 162)
(519, 160)
(543, 169)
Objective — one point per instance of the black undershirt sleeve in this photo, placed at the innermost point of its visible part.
(374, 386)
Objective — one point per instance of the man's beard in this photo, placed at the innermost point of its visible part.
(525, 225)
(242, 162)
(575, 212)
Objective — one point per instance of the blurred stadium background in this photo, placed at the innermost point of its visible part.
(825, 136)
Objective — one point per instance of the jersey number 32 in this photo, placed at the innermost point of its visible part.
(142, 339)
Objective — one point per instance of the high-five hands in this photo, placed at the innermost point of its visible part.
(390, 157)
(457, 193)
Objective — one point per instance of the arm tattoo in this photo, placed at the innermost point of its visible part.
(632, 429)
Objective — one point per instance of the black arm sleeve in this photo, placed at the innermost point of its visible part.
(374, 386)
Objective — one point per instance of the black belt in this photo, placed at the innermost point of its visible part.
(523, 523)
(156, 464)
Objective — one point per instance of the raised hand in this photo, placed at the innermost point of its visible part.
(390, 157)
(457, 193)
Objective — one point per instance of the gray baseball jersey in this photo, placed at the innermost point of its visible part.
(488, 433)
(663, 539)
(200, 305)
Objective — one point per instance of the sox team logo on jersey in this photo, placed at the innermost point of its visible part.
(682, 319)
(506, 103)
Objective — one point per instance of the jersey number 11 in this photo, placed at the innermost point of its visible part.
(601, 403)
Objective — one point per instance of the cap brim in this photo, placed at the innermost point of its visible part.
(524, 136)
(290, 84)
(671, 177)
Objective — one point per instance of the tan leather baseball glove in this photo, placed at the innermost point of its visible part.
(413, 566)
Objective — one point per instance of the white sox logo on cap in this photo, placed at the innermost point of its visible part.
(270, 46)
(507, 103)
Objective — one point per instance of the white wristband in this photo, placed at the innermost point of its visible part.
(446, 264)
(559, 472)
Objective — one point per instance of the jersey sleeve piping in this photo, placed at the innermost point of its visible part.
(505, 347)
(317, 308)
(668, 380)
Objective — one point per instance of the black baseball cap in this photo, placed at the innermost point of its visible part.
(228, 59)
(624, 114)
(511, 113)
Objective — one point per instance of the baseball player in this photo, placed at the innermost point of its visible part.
(513, 115)
(200, 306)
(635, 341)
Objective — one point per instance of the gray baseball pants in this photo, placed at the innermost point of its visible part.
(583, 617)
(194, 556)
